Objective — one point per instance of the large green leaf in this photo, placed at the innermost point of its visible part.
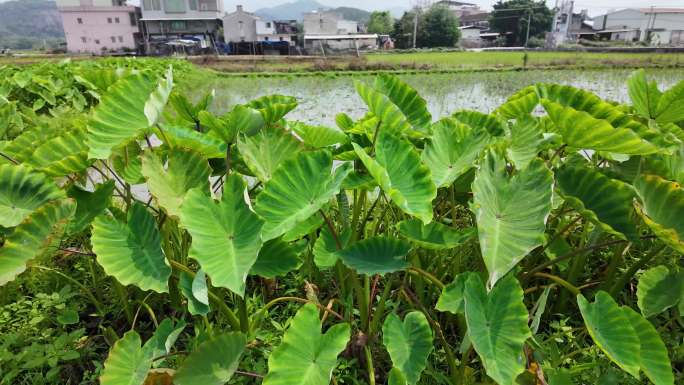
(213, 362)
(510, 212)
(306, 356)
(22, 191)
(185, 170)
(131, 252)
(273, 107)
(62, 155)
(266, 150)
(129, 107)
(377, 255)
(297, 190)
(452, 298)
(606, 201)
(390, 117)
(520, 104)
(644, 94)
(163, 339)
(89, 204)
(32, 237)
(400, 173)
(319, 136)
(325, 249)
(582, 130)
(407, 99)
(663, 209)
(409, 343)
(658, 290)
(653, 357)
(435, 235)
(127, 362)
(671, 105)
(479, 121)
(196, 292)
(612, 331)
(275, 258)
(452, 150)
(497, 326)
(525, 141)
(226, 235)
(182, 137)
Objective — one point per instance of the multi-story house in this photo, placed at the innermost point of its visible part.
(242, 26)
(194, 20)
(99, 26)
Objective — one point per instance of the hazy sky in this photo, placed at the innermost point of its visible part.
(596, 7)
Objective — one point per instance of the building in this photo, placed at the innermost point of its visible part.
(569, 26)
(100, 26)
(480, 20)
(659, 26)
(460, 8)
(167, 22)
(243, 26)
(328, 23)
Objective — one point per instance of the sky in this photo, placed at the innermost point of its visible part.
(595, 7)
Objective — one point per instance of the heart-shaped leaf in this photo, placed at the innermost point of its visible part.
(22, 191)
(266, 150)
(127, 362)
(658, 290)
(663, 209)
(213, 362)
(276, 258)
(653, 357)
(377, 255)
(434, 235)
(409, 343)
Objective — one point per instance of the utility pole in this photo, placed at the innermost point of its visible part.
(415, 27)
(529, 21)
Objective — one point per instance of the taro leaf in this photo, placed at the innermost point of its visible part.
(653, 357)
(479, 121)
(671, 105)
(452, 150)
(89, 204)
(127, 163)
(582, 130)
(207, 145)
(644, 94)
(400, 173)
(319, 136)
(663, 209)
(407, 99)
(344, 122)
(266, 150)
(298, 189)
(163, 339)
(658, 290)
(303, 228)
(390, 117)
(276, 258)
(246, 120)
(325, 249)
(452, 298)
(377, 255)
(131, 252)
(185, 170)
(196, 305)
(510, 212)
(409, 343)
(33, 236)
(62, 155)
(519, 105)
(306, 356)
(127, 362)
(396, 377)
(497, 326)
(225, 234)
(435, 235)
(273, 107)
(605, 201)
(129, 107)
(213, 362)
(358, 181)
(525, 143)
(22, 191)
(612, 331)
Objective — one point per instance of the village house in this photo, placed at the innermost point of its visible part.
(325, 30)
(243, 26)
(659, 26)
(100, 26)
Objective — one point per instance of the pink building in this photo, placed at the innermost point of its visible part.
(99, 26)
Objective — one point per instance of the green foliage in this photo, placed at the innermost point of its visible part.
(381, 22)
(214, 361)
(409, 343)
(512, 16)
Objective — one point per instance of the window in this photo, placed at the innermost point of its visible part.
(97, 41)
(282, 39)
(120, 39)
(116, 20)
(265, 38)
(193, 5)
(109, 20)
(152, 5)
(83, 39)
(268, 25)
(132, 17)
(79, 20)
(177, 25)
(113, 39)
(174, 6)
(208, 5)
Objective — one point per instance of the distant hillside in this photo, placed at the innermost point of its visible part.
(25, 24)
(296, 10)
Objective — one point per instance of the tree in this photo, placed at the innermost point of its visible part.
(512, 16)
(380, 23)
(437, 27)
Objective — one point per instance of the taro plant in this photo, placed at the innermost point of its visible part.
(428, 251)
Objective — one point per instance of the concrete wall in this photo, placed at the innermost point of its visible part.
(181, 9)
(181, 27)
(662, 24)
(239, 26)
(90, 29)
(626, 18)
(341, 44)
(321, 23)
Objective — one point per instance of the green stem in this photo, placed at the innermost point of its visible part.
(571, 288)
(242, 313)
(258, 317)
(627, 276)
(612, 269)
(425, 274)
(369, 363)
(361, 300)
(123, 298)
(380, 309)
